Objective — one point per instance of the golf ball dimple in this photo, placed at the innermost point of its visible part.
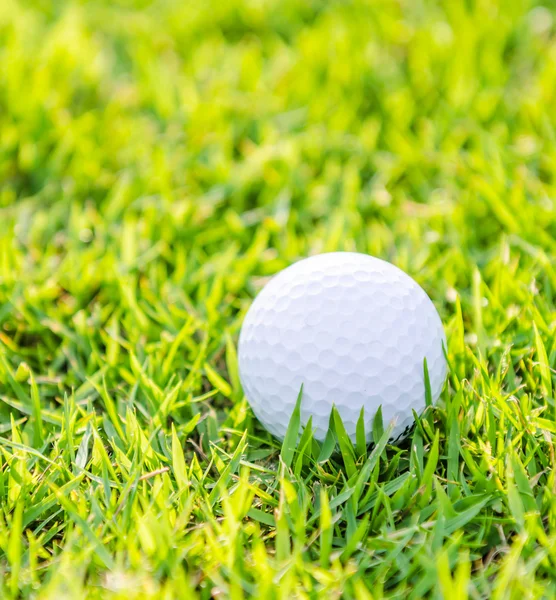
(354, 330)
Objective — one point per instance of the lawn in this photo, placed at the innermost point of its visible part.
(158, 162)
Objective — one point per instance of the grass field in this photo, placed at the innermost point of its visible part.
(158, 161)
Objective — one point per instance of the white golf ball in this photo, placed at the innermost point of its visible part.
(354, 330)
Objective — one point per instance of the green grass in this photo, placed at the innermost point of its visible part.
(159, 160)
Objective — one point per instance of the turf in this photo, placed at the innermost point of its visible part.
(158, 161)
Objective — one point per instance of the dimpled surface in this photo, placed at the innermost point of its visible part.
(354, 330)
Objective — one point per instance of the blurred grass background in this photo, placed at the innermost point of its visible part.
(158, 160)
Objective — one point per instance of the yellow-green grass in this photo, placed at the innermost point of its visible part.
(158, 161)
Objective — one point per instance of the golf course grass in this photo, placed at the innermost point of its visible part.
(159, 161)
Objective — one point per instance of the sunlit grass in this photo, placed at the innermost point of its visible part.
(158, 161)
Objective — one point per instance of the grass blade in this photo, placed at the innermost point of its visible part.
(292, 433)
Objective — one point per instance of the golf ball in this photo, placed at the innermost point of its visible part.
(354, 330)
